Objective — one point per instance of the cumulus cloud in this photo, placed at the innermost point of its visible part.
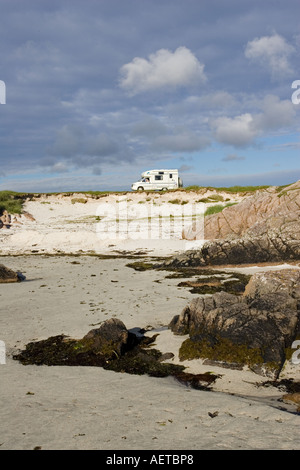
(275, 114)
(59, 167)
(242, 130)
(162, 69)
(237, 131)
(273, 51)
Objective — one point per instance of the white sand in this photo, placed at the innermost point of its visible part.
(126, 222)
(89, 408)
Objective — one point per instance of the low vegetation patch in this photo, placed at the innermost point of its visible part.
(79, 200)
(212, 198)
(11, 201)
(140, 265)
(231, 189)
(235, 284)
(177, 201)
(217, 208)
(219, 349)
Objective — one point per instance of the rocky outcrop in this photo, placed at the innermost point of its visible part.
(8, 275)
(238, 219)
(255, 210)
(263, 228)
(254, 330)
(5, 219)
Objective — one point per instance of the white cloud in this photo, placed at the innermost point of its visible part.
(237, 131)
(273, 51)
(163, 69)
(59, 167)
(275, 114)
(242, 130)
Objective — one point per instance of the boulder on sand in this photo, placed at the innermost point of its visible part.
(97, 348)
(254, 330)
(111, 339)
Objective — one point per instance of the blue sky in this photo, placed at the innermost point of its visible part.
(99, 91)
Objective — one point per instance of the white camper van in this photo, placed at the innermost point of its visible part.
(158, 179)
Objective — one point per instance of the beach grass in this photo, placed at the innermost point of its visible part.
(11, 201)
(230, 189)
(217, 208)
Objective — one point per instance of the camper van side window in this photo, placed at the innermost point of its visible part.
(171, 176)
(158, 177)
(161, 173)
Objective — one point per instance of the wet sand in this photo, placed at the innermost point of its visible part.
(90, 408)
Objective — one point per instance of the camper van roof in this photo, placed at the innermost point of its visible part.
(163, 169)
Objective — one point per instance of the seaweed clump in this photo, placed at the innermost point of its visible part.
(111, 347)
(234, 284)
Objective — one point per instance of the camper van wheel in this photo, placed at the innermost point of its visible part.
(140, 188)
(164, 189)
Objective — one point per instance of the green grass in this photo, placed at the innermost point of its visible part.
(78, 200)
(242, 189)
(177, 201)
(11, 201)
(212, 198)
(230, 189)
(217, 208)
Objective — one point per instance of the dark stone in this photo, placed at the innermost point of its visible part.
(255, 329)
(8, 275)
(111, 338)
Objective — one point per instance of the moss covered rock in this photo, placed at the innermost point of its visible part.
(256, 329)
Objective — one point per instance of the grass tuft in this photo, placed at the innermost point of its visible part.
(10, 201)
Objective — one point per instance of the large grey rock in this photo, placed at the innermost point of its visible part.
(254, 329)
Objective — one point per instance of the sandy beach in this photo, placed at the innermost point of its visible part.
(70, 289)
(113, 223)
